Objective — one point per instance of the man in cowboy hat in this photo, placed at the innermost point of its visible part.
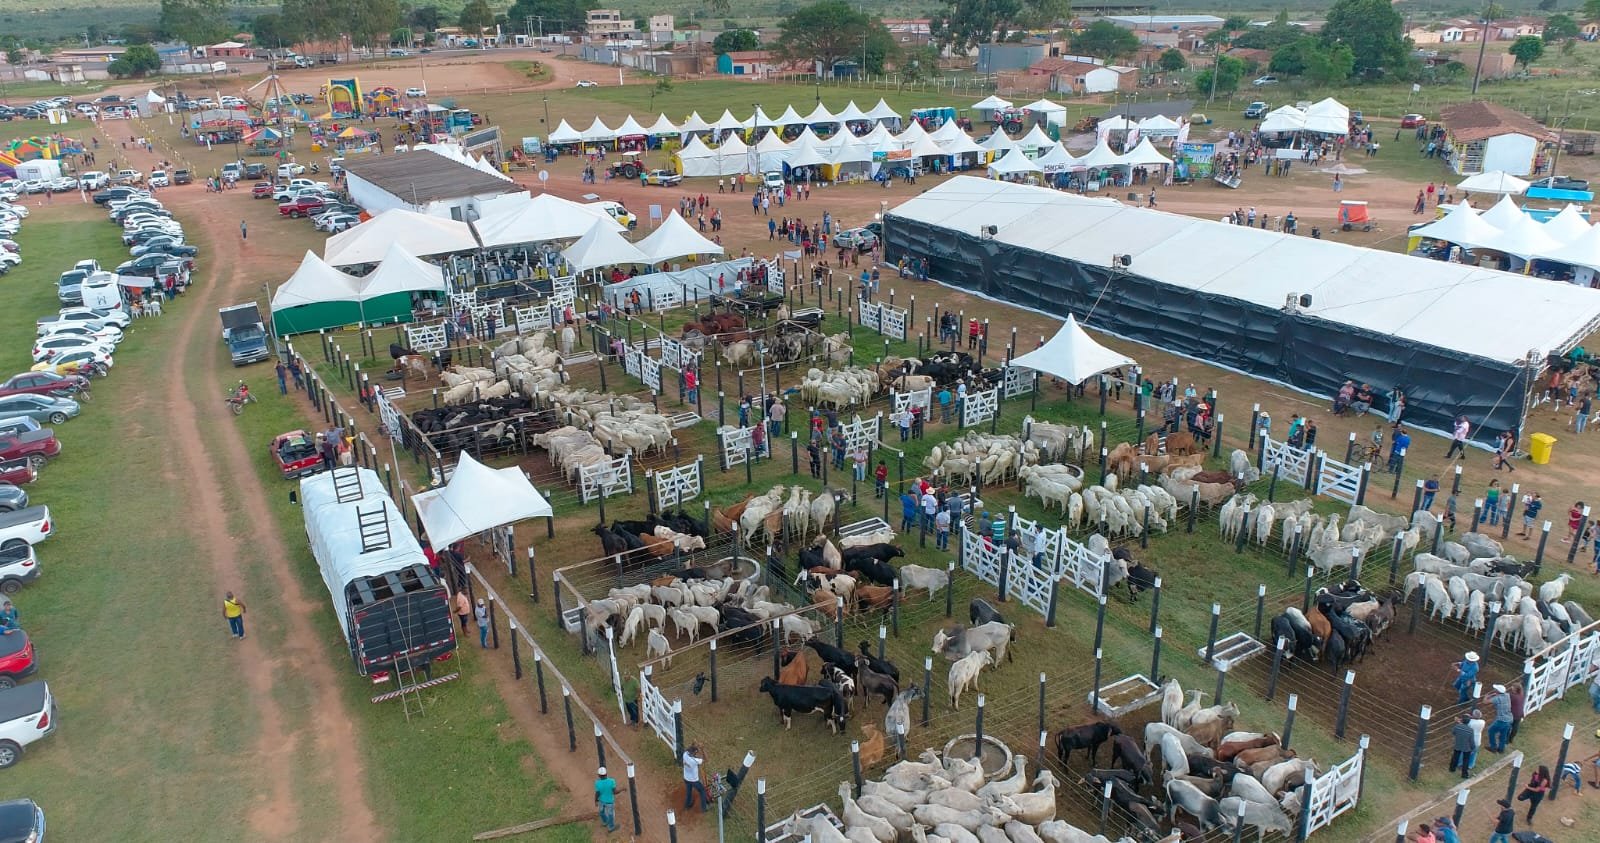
(1500, 729)
(1466, 677)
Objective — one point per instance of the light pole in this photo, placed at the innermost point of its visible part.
(1483, 43)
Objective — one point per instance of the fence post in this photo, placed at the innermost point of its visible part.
(1363, 483)
(516, 654)
(678, 745)
(838, 622)
(1461, 806)
(1288, 719)
(1055, 593)
(1222, 678)
(1544, 538)
(672, 827)
(1277, 664)
(1155, 606)
(927, 685)
(1294, 548)
(1105, 793)
(1261, 609)
(1561, 760)
(1477, 513)
(633, 800)
(977, 744)
(1489, 620)
(599, 743)
(1244, 530)
(1420, 741)
(1211, 637)
(566, 703)
(1272, 483)
(1400, 832)
(855, 765)
(1099, 621)
(538, 675)
(1255, 418)
(950, 582)
(494, 628)
(894, 606)
(1238, 822)
(1311, 573)
(883, 638)
(1344, 704)
(1399, 470)
(1194, 504)
(1396, 550)
(713, 659)
(1516, 773)
(1511, 511)
(1155, 657)
(1094, 693)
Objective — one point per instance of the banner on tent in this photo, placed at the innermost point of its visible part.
(530, 319)
(605, 479)
(1018, 381)
(679, 484)
(426, 338)
(904, 401)
(656, 711)
(979, 407)
(736, 445)
(861, 433)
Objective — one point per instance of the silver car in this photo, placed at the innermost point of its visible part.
(40, 408)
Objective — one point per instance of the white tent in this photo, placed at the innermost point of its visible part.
(154, 98)
(1328, 117)
(1524, 239)
(926, 146)
(676, 238)
(821, 114)
(599, 131)
(419, 234)
(851, 112)
(961, 145)
(564, 133)
(1035, 140)
(1053, 112)
(947, 131)
(991, 102)
(882, 112)
(1012, 165)
(1461, 226)
(1567, 226)
(1583, 251)
(1504, 214)
(1072, 355)
(912, 134)
(771, 151)
(602, 246)
(807, 151)
(759, 120)
(400, 271)
(998, 143)
(696, 159)
(1145, 155)
(1118, 123)
(1057, 159)
(315, 282)
(662, 126)
(790, 117)
(1284, 119)
(695, 123)
(1101, 156)
(879, 139)
(631, 128)
(1494, 181)
(1158, 125)
(539, 219)
(476, 499)
(727, 122)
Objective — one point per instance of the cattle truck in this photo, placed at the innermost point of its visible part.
(393, 611)
(245, 334)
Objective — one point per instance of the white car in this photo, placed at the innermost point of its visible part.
(158, 178)
(305, 183)
(1265, 80)
(94, 179)
(586, 83)
(335, 223)
(103, 334)
(772, 180)
(290, 170)
(15, 210)
(63, 183)
(232, 102)
(49, 346)
(27, 712)
(118, 317)
(416, 92)
(9, 258)
(84, 108)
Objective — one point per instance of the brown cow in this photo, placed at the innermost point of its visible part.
(1227, 751)
(1320, 625)
(875, 596)
(796, 671)
(826, 603)
(1211, 732)
(659, 548)
(1123, 460)
(1181, 443)
(871, 745)
(1215, 477)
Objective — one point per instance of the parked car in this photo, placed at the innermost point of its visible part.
(110, 316)
(416, 92)
(128, 177)
(158, 178)
(103, 334)
(859, 238)
(12, 425)
(88, 361)
(1562, 183)
(261, 190)
(13, 498)
(44, 383)
(17, 659)
(93, 180)
(27, 714)
(49, 345)
(665, 178)
(1265, 80)
(1411, 121)
(182, 177)
(256, 171)
(146, 265)
(42, 408)
(290, 170)
(296, 208)
(69, 287)
(586, 83)
(29, 525)
(295, 454)
(1256, 110)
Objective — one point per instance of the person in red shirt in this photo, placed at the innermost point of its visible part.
(881, 476)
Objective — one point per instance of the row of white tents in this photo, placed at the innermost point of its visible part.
(599, 132)
(1566, 237)
(1327, 117)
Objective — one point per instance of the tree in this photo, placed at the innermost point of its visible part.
(1173, 61)
(425, 18)
(273, 30)
(137, 60)
(919, 63)
(1234, 23)
(371, 22)
(735, 41)
(476, 16)
(963, 24)
(1330, 63)
(314, 19)
(1279, 33)
(1104, 39)
(195, 21)
(1292, 59)
(1374, 32)
(831, 31)
(1527, 50)
(1227, 69)
(1560, 27)
(1591, 9)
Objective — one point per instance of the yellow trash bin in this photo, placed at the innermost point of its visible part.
(1539, 448)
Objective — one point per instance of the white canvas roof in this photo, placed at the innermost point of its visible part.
(602, 246)
(476, 499)
(631, 128)
(1145, 155)
(419, 234)
(947, 131)
(539, 219)
(998, 142)
(695, 123)
(790, 117)
(696, 159)
(807, 152)
(821, 114)
(1011, 165)
(1045, 106)
(676, 238)
(852, 151)
(1284, 119)
(992, 102)
(727, 121)
(1118, 123)
(1035, 139)
(564, 133)
(851, 112)
(1494, 181)
(878, 139)
(911, 134)
(1461, 226)
(662, 126)
(1057, 159)
(1567, 226)
(1583, 251)
(335, 532)
(1072, 355)
(599, 131)
(1525, 238)
(401, 272)
(1504, 214)
(1328, 117)
(926, 146)
(1101, 156)
(760, 119)
(1419, 300)
(961, 144)
(1158, 123)
(315, 282)
(882, 111)
(771, 151)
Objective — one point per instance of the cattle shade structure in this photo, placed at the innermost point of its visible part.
(418, 234)
(1072, 355)
(476, 499)
(1218, 293)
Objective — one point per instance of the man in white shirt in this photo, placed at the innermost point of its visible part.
(1458, 442)
(692, 759)
(930, 506)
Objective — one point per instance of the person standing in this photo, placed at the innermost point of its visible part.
(605, 799)
(814, 451)
(1500, 729)
(880, 477)
(1519, 699)
(775, 414)
(1530, 514)
(482, 612)
(283, 377)
(244, 231)
(1461, 747)
(941, 527)
(1430, 489)
(1458, 441)
(1533, 794)
(1575, 519)
(858, 461)
(1504, 823)
(908, 511)
(463, 608)
(691, 386)
(1478, 725)
(1466, 676)
(1580, 420)
(233, 610)
(692, 759)
(930, 508)
(1491, 502)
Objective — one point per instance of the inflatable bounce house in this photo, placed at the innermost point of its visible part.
(344, 98)
(29, 149)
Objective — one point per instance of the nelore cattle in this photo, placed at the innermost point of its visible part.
(806, 699)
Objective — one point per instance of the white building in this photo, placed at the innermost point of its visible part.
(425, 182)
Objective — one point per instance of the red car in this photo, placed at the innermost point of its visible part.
(1411, 121)
(301, 207)
(18, 472)
(295, 454)
(45, 383)
(17, 659)
(34, 445)
(261, 190)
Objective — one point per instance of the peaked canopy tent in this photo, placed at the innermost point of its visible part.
(770, 151)
(1050, 253)
(991, 102)
(318, 296)
(401, 272)
(1283, 120)
(695, 123)
(1494, 181)
(727, 122)
(1049, 112)
(760, 120)
(1035, 140)
(728, 158)
(1160, 126)
(540, 219)
(662, 127)
(602, 246)
(883, 113)
(820, 115)
(1057, 159)
(676, 238)
(1014, 166)
(1461, 226)
(1566, 226)
(999, 143)
(1524, 239)
(1504, 214)
(1145, 155)
(630, 128)
(1582, 253)
(478, 498)
(1072, 355)
(1102, 157)
(1328, 117)
(419, 234)
(790, 117)
(851, 112)
(599, 132)
(564, 134)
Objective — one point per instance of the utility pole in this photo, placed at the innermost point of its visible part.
(1483, 43)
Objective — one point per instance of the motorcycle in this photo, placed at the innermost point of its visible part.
(238, 397)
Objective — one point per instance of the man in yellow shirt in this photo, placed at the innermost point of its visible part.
(233, 610)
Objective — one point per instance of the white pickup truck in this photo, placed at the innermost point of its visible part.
(25, 526)
(27, 714)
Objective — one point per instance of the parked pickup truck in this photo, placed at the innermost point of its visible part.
(18, 567)
(35, 446)
(300, 207)
(15, 473)
(24, 527)
(27, 713)
(244, 333)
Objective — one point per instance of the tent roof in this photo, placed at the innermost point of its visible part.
(928, 146)
(960, 144)
(315, 282)
(1494, 181)
(727, 121)
(564, 133)
(790, 117)
(1504, 214)
(821, 114)
(1158, 123)
(1284, 119)
(771, 142)
(1118, 123)
(760, 119)
(154, 97)
(1045, 106)
(1035, 139)
(1582, 251)
(1420, 301)
(695, 123)
(662, 126)
(539, 219)
(851, 112)
(882, 111)
(602, 246)
(398, 272)
(1101, 156)
(807, 151)
(1461, 226)
(1145, 155)
(476, 499)
(695, 148)
(1072, 355)
(1567, 226)
(1056, 159)
(420, 234)
(1013, 164)
(676, 238)
(998, 142)
(1328, 117)
(911, 134)
(598, 131)
(631, 128)
(992, 102)
(1524, 238)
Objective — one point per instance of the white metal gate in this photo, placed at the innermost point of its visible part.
(1561, 665)
(1029, 585)
(679, 484)
(464, 299)
(480, 318)
(979, 407)
(904, 401)
(979, 558)
(1293, 463)
(530, 319)
(892, 321)
(1337, 480)
(563, 291)
(1334, 792)
(1085, 568)
(1018, 381)
(655, 711)
(861, 433)
(736, 445)
(650, 372)
(870, 315)
(602, 480)
(388, 415)
(426, 338)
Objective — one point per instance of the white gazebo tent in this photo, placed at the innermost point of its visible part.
(1101, 157)
(999, 143)
(1582, 254)
(400, 271)
(727, 122)
(676, 238)
(539, 219)
(1145, 155)
(1049, 111)
(1567, 226)
(963, 145)
(662, 126)
(883, 113)
(1158, 125)
(1461, 226)
(478, 498)
(820, 115)
(630, 128)
(1525, 239)
(1284, 119)
(564, 133)
(1014, 165)
(1504, 214)
(790, 117)
(1072, 355)
(759, 120)
(912, 134)
(419, 234)
(807, 151)
(771, 151)
(1328, 117)
(602, 246)
(851, 112)
(316, 282)
(695, 123)
(1494, 181)
(598, 132)
(1035, 140)
(991, 103)
(1057, 159)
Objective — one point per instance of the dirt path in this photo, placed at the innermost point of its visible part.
(273, 814)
